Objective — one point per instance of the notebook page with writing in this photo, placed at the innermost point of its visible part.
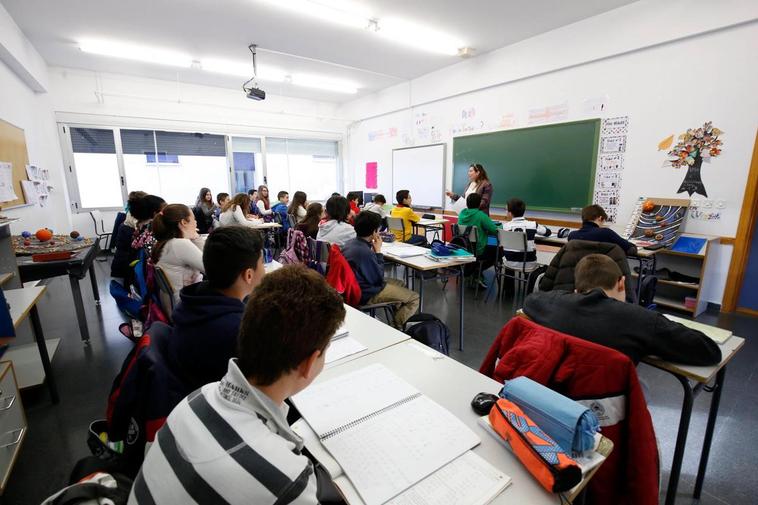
(385, 454)
(468, 480)
(331, 404)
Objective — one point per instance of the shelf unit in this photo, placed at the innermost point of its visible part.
(672, 294)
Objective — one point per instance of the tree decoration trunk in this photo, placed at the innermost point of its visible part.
(692, 182)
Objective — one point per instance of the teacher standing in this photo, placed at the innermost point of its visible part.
(478, 183)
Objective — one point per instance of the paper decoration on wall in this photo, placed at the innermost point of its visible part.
(706, 210)
(372, 175)
(382, 134)
(657, 221)
(38, 187)
(7, 194)
(508, 121)
(610, 166)
(692, 148)
(470, 122)
(664, 144)
(549, 114)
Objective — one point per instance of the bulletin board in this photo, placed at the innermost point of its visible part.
(13, 150)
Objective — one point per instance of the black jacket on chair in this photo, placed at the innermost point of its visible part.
(560, 272)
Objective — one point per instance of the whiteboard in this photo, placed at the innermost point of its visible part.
(420, 170)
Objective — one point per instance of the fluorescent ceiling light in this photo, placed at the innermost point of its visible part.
(341, 12)
(238, 69)
(327, 84)
(418, 36)
(136, 52)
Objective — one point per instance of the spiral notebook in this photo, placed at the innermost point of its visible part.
(385, 435)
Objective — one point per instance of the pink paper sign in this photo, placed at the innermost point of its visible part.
(372, 175)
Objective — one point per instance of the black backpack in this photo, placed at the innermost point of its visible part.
(462, 241)
(430, 331)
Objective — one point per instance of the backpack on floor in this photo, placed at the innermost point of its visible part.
(93, 482)
(430, 331)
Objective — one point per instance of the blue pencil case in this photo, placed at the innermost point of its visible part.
(572, 425)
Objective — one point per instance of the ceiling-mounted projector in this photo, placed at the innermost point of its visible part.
(252, 91)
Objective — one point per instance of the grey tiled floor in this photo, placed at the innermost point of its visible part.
(57, 433)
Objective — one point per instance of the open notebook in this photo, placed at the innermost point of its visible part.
(384, 434)
(342, 346)
(716, 334)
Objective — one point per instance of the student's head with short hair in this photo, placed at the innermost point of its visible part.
(366, 224)
(403, 197)
(598, 271)
(338, 208)
(379, 200)
(516, 207)
(336, 194)
(473, 201)
(594, 213)
(284, 341)
(283, 197)
(133, 197)
(233, 261)
(221, 199)
(353, 196)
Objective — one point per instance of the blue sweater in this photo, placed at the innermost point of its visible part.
(367, 265)
(206, 324)
(594, 233)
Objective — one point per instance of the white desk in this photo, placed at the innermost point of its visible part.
(270, 267)
(31, 370)
(435, 225)
(452, 385)
(416, 258)
(370, 332)
(266, 226)
(701, 375)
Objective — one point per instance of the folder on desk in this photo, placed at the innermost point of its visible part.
(385, 435)
(718, 335)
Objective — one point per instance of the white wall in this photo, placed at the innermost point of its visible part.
(666, 66)
(22, 74)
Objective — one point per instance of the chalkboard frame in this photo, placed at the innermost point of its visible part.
(461, 164)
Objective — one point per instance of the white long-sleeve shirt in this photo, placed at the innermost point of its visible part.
(236, 216)
(182, 261)
(262, 208)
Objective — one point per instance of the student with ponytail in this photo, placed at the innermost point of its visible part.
(179, 248)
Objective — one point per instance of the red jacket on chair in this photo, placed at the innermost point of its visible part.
(340, 276)
(604, 380)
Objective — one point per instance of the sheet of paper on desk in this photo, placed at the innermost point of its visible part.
(718, 335)
(342, 347)
(468, 480)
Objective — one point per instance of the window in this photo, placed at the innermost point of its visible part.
(302, 165)
(247, 162)
(174, 165)
(97, 177)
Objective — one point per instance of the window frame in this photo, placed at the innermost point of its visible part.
(64, 131)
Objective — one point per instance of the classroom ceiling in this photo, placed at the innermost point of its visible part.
(224, 28)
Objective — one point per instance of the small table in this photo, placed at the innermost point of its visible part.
(76, 268)
(23, 303)
(701, 375)
(435, 225)
(416, 258)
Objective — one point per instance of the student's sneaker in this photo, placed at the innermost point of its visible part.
(482, 283)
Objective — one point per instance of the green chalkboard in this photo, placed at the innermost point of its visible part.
(549, 167)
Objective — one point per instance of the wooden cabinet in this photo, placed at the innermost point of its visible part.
(12, 422)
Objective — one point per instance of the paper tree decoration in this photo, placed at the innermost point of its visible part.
(692, 148)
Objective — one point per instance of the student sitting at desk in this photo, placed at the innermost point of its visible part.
(280, 209)
(233, 212)
(178, 250)
(221, 200)
(313, 216)
(404, 211)
(516, 210)
(377, 206)
(364, 254)
(593, 218)
(336, 230)
(229, 442)
(473, 216)
(208, 315)
(597, 312)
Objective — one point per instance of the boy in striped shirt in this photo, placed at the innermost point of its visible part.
(229, 441)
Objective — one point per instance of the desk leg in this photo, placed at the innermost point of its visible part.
(460, 310)
(712, 414)
(81, 315)
(93, 280)
(40, 338)
(420, 290)
(681, 440)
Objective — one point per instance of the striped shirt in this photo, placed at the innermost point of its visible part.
(226, 443)
(514, 259)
